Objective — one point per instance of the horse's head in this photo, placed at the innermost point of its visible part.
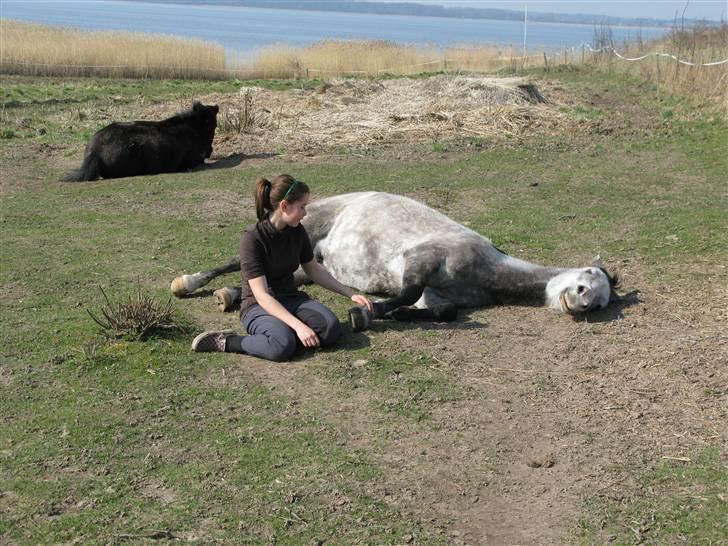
(580, 290)
(206, 120)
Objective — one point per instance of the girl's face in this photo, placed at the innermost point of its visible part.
(292, 212)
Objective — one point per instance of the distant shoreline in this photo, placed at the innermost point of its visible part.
(422, 10)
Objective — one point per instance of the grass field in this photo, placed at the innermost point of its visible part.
(511, 425)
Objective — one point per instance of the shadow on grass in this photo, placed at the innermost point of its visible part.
(233, 160)
(463, 322)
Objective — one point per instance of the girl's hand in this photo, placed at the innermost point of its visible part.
(363, 300)
(307, 336)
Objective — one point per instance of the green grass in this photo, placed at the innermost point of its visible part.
(105, 441)
(121, 450)
(21, 90)
(674, 502)
(405, 385)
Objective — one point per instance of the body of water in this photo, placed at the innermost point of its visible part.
(242, 31)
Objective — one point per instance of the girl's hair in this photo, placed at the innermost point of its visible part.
(268, 195)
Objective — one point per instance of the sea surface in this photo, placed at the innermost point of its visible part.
(243, 31)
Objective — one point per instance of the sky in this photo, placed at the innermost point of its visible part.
(658, 9)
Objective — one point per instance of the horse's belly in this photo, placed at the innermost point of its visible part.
(352, 268)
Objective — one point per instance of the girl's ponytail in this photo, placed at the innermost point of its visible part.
(262, 197)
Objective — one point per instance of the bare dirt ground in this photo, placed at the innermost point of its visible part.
(552, 409)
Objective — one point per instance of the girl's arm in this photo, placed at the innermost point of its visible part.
(259, 286)
(319, 275)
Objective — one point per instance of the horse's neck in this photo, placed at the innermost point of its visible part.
(519, 280)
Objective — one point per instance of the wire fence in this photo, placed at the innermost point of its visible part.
(651, 54)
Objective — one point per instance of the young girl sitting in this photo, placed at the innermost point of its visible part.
(275, 314)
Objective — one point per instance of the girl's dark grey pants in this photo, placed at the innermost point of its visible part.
(273, 339)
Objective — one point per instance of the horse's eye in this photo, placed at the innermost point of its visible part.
(590, 271)
(580, 289)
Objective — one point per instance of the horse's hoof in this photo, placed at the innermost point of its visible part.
(178, 287)
(359, 319)
(224, 299)
(445, 312)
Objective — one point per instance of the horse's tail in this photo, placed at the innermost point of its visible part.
(89, 170)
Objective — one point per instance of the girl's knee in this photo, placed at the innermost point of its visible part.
(281, 350)
(278, 347)
(321, 320)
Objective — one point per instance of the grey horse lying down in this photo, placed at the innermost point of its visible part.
(427, 264)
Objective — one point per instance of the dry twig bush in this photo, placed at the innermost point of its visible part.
(137, 317)
(242, 114)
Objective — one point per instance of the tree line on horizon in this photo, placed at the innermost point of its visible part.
(422, 10)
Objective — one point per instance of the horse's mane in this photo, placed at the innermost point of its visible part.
(613, 278)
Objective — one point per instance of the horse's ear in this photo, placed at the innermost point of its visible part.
(196, 105)
(597, 262)
(215, 108)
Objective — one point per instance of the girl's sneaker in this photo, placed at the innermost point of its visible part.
(212, 341)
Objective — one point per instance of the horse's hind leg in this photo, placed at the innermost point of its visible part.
(186, 284)
(227, 297)
(431, 306)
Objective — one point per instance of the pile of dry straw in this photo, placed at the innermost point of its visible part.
(357, 114)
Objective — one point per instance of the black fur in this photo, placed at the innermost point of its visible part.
(150, 147)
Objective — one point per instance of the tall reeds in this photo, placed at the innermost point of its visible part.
(331, 58)
(41, 50)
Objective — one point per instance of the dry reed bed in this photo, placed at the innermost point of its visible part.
(372, 58)
(40, 50)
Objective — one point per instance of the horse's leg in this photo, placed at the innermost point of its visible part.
(419, 265)
(441, 312)
(186, 284)
(431, 306)
(227, 297)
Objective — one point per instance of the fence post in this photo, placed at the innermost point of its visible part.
(582, 54)
(545, 62)
(657, 70)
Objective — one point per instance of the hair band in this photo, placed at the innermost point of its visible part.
(295, 183)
